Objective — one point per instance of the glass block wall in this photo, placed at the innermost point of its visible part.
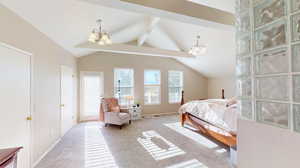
(268, 61)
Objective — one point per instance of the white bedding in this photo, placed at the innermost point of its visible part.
(214, 111)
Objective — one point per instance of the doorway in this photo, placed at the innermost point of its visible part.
(16, 101)
(92, 89)
(67, 105)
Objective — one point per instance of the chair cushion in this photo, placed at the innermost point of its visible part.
(124, 115)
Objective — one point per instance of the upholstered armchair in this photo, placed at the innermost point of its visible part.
(113, 114)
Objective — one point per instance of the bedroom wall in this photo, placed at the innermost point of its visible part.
(268, 70)
(48, 57)
(215, 86)
(262, 146)
(195, 85)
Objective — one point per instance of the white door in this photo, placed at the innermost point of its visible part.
(15, 99)
(91, 94)
(67, 114)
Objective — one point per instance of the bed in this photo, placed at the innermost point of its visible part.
(215, 118)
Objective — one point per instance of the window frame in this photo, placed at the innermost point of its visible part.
(182, 86)
(115, 84)
(158, 85)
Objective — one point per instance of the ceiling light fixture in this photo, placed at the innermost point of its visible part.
(197, 49)
(99, 36)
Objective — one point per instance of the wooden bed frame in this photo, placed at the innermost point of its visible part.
(227, 140)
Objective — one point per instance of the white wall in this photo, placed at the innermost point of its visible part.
(215, 86)
(264, 146)
(48, 57)
(195, 84)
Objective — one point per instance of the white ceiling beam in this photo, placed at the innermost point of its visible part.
(153, 21)
(188, 8)
(160, 39)
(129, 33)
(180, 10)
(133, 49)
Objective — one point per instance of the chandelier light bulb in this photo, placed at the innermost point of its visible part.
(108, 41)
(197, 49)
(101, 42)
(104, 37)
(99, 36)
(93, 37)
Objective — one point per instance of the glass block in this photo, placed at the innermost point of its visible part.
(256, 2)
(243, 23)
(275, 61)
(295, 27)
(244, 45)
(276, 114)
(242, 5)
(246, 109)
(296, 110)
(271, 36)
(296, 90)
(274, 88)
(269, 11)
(296, 58)
(244, 88)
(243, 67)
(295, 5)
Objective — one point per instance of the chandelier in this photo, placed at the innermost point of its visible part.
(197, 49)
(99, 36)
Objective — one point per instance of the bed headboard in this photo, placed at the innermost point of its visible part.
(182, 96)
(223, 94)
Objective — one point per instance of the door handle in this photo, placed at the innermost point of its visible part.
(62, 105)
(29, 118)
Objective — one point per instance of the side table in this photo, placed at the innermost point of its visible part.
(135, 112)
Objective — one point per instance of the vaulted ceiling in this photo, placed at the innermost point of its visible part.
(139, 30)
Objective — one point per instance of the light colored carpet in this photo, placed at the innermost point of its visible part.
(148, 143)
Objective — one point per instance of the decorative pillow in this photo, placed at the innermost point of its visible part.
(231, 102)
(115, 109)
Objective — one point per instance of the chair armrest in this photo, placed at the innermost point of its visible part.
(114, 115)
(111, 113)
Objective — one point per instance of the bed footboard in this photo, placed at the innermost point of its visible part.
(182, 119)
(226, 140)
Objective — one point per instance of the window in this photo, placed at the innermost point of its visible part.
(124, 86)
(175, 84)
(152, 87)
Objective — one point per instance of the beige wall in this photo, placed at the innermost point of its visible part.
(215, 86)
(195, 85)
(264, 146)
(48, 57)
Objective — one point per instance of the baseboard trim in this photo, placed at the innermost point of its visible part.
(46, 152)
(158, 114)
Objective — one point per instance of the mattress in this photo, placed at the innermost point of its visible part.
(215, 112)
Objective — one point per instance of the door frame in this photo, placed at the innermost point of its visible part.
(100, 73)
(60, 99)
(32, 96)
